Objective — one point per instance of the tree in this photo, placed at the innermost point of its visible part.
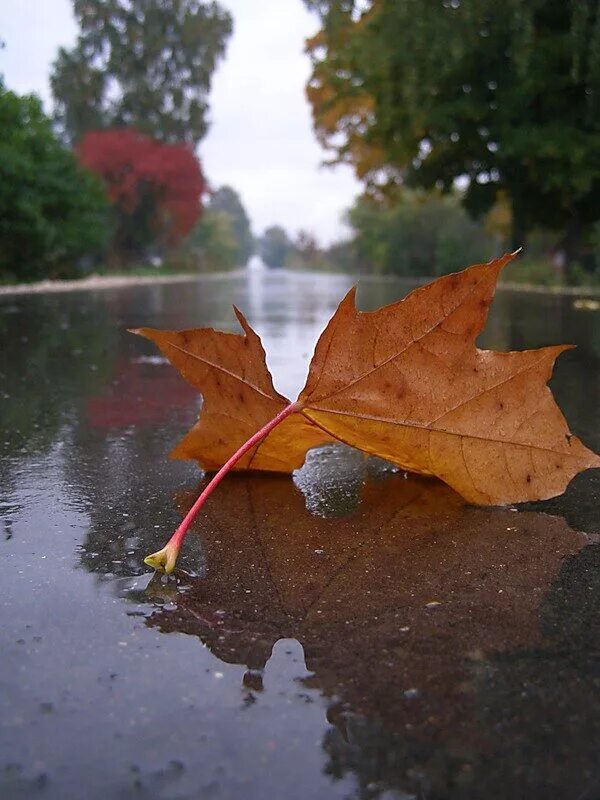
(226, 200)
(422, 234)
(503, 95)
(306, 253)
(155, 189)
(146, 64)
(212, 244)
(53, 214)
(275, 246)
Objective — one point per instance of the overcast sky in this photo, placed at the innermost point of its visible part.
(261, 140)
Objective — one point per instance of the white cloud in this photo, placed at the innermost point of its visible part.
(261, 140)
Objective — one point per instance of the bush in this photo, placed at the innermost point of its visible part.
(212, 245)
(53, 214)
(421, 235)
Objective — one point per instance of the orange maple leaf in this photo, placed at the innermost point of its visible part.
(405, 382)
(238, 399)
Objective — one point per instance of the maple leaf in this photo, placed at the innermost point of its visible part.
(405, 382)
(238, 400)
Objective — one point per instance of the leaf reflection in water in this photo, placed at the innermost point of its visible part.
(398, 606)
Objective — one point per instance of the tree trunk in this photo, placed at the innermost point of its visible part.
(572, 246)
(519, 228)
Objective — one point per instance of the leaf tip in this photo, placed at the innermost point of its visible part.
(242, 320)
(502, 261)
(350, 297)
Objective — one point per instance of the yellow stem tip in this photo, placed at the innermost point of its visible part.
(163, 560)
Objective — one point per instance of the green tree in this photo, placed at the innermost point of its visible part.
(226, 200)
(422, 234)
(505, 96)
(213, 244)
(53, 214)
(145, 64)
(275, 246)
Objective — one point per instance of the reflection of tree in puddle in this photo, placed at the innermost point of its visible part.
(442, 635)
(130, 426)
(53, 352)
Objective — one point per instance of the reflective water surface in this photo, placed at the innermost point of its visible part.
(350, 633)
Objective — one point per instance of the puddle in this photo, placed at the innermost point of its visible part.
(348, 633)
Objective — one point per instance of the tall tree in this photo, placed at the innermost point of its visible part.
(146, 64)
(275, 246)
(504, 95)
(212, 244)
(226, 200)
(155, 189)
(53, 214)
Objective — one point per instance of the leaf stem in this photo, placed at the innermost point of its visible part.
(166, 558)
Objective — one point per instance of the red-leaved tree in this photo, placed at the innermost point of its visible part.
(156, 189)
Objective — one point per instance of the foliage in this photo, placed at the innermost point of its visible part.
(536, 272)
(226, 201)
(146, 64)
(405, 382)
(53, 214)
(275, 247)
(62, 353)
(212, 244)
(222, 240)
(155, 188)
(341, 256)
(306, 253)
(504, 94)
(421, 235)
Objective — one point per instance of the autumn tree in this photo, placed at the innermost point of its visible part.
(155, 189)
(503, 95)
(53, 214)
(146, 64)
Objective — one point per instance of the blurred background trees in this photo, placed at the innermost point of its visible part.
(132, 98)
(227, 201)
(503, 98)
(154, 190)
(473, 126)
(145, 64)
(222, 239)
(53, 213)
(275, 247)
(421, 234)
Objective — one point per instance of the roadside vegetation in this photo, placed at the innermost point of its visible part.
(473, 128)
